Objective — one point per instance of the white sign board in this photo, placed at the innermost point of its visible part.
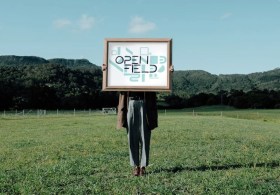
(137, 65)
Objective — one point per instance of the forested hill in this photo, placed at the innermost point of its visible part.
(192, 82)
(185, 83)
(11, 60)
(34, 82)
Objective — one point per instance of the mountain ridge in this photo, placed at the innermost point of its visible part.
(185, 82)
(188, 82)
(13, 60)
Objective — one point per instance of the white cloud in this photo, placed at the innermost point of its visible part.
(61, 23)
(86, 22)
(226, 16)
(139, 25)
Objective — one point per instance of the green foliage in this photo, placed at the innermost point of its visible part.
(50, 86)
(16, 61)
(188, 83)
(11, 60)
(190, 154)
(33, 82)
(74, 64)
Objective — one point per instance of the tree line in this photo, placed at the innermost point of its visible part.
(52, 86)
(36, 83)
(256, 99)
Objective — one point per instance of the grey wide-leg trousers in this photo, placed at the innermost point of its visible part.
(139, 135)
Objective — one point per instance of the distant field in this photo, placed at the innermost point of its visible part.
(210, 150)
(265, 115)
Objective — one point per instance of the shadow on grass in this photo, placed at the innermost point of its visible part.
(177, 169)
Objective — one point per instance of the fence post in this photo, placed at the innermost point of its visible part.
(23, 112)
(74, 112)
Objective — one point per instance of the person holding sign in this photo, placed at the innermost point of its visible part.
(137, 112)
(138, 68)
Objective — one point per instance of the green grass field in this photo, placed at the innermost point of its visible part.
(206, 151)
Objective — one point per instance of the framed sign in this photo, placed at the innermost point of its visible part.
(137, 65)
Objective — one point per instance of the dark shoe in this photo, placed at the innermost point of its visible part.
(142, 171)
(136, 171)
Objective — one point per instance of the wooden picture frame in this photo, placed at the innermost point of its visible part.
(137, 64)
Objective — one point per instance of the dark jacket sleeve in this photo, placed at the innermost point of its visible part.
(122, 110)
(152, 113)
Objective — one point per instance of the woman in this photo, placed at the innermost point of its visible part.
(137, 112)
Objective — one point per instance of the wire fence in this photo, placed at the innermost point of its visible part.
(45, 113)
(265, 115)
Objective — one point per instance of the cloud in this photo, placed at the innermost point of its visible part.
(61, 23)
(226, 16)
(139, 25)
(86, 22)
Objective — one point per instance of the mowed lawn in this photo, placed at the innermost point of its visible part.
(190, 154)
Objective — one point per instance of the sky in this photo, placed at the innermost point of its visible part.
(218, 36)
